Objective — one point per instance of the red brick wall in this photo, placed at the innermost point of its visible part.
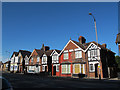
(71, 46)
(70, 58)
(34, 55)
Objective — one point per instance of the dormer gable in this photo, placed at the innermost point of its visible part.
(72, 45)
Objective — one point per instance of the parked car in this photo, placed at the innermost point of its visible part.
(5, 84)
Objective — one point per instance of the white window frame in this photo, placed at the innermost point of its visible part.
(78, 54)
(44, 60)
(65, 55)
(55, 59)
(68, 66)
(92, 67)
(38, 59)
(57, 68)
(43, 67)
(31, 68)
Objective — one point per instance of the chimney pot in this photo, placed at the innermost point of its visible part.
(82, 40)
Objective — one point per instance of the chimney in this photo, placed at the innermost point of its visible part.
(46, 48)
(42, 47)
(104, 45)
(82, 40)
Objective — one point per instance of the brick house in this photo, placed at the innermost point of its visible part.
(40, 60)
(55, 62)
(100, 60)
(72, 59)
(87, 59)
(21, 59)
(35, 61)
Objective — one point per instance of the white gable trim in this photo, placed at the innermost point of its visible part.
(31, 54)
(90, 45)
(53, 52)
(67, 44)
(44, 55)
(19, 54)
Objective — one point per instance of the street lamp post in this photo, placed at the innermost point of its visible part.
(97, 42)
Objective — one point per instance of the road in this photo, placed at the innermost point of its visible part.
(37, 81)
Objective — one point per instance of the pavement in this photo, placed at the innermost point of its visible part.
(37, 81)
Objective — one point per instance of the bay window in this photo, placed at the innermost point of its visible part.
(66, 69)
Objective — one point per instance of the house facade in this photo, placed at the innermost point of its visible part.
(35, 61)
(40, 60)
(21, 60)
(101, 61)
(72, 59)
(14, 66)
(55, 62)
(6, 66)
(87, 59)
(46, 65)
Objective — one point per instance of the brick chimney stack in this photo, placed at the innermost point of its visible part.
(104, 45)
(45, 48)
(82, 40)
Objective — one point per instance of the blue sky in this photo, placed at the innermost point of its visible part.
(28, 25)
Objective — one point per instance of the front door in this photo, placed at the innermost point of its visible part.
(96, 71)
(54, 70)
(45, 68)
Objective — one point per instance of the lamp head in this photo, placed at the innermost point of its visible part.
(90, 13)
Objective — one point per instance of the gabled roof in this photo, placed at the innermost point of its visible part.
(25, 52)
(75, 43)
(6, 62)
(58, 51)
(16, 54)
(39, 52)
(48, 52)
(101, 46)
(80, 45)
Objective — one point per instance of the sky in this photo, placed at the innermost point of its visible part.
(27, 25)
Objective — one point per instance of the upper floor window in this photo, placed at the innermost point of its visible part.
(32, 60)
(54, 57)
(65, 56)
(44, 59)
(78, 54)
(92, 53)
(38, 59)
